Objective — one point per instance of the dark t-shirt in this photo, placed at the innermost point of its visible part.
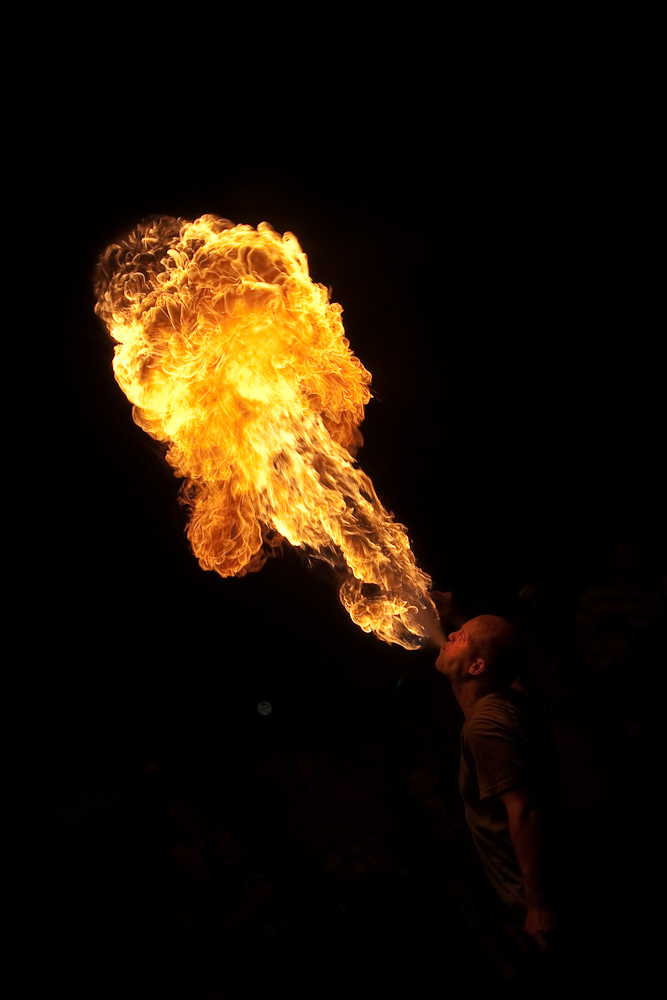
(505, 744)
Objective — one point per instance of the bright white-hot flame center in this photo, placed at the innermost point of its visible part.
(237, 360)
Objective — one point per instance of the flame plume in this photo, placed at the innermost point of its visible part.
(238, 361)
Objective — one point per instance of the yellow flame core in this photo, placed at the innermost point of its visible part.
(236, 359)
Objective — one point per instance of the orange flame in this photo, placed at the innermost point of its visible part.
(233, 356)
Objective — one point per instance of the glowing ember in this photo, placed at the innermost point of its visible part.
(235, 358)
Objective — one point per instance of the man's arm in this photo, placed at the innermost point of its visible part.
(525, 826)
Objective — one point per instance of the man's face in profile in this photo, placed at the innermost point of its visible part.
(458, 652)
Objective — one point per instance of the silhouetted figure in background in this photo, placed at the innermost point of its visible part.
(621, 592)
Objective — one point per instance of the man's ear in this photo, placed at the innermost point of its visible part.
(477, 667)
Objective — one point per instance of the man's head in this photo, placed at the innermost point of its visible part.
(486, 649)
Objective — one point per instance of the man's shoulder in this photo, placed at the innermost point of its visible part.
(510, 706)
(505, 743)
(508, 716)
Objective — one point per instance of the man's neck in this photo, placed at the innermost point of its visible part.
(469, 694)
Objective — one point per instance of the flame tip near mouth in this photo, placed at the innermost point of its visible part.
(231, 354)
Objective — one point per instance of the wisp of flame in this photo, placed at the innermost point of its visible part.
(238, 361)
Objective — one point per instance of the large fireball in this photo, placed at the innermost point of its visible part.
(238, 361)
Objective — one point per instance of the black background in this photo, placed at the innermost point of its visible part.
(496, 282)
(488, 228)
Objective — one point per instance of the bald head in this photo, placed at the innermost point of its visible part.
(499, 644)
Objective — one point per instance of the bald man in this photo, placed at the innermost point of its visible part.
(506, 773)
